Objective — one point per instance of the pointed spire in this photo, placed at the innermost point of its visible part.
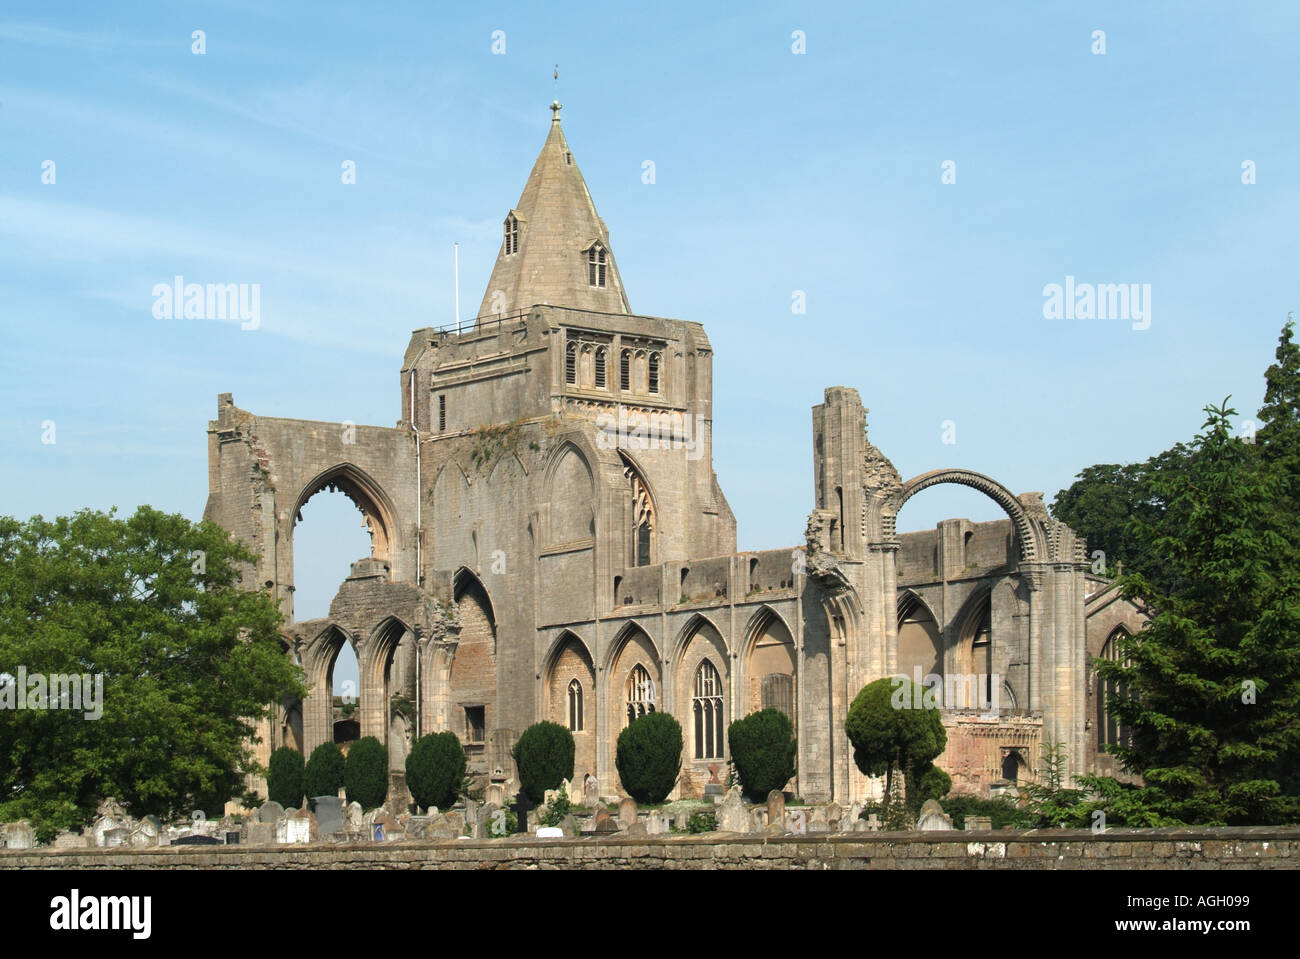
(555, 247)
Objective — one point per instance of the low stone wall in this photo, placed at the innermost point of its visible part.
(1229, 848)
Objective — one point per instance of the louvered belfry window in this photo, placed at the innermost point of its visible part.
(596, 266)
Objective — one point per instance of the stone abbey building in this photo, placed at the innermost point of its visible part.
(549, 541)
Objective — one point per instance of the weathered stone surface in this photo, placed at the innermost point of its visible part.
(329, 815)
(19, 835)
(656, 823)
(627, 812)
(932, 817)
(590, 791)
(356, 817)
(776, 806)
(733, 816)
(270, 811)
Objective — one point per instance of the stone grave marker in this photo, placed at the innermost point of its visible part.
(329, 815)
(270, 811)
(796, 821)
(627, 812)
(732, 814)
(19, 835)
(590, 792)
(776, 806)
(656, 823)
(933, 818)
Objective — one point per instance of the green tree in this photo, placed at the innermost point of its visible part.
(435, 769)
(284, 779)
(763, 750)
(890, 736)
(189, 664)
(544, 755)
(323, 775)
(1278, 437)
(649, 757)
(1210, 688)
(365, 776)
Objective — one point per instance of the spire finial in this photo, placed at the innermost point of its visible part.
(556, 107)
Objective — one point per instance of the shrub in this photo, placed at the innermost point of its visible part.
(1001, 810)
(555, 812)
(501, 826)
(889, 735)
(649, 757)
(763, 750)
(927, 782)
(365, 776)
(284, 777)
(544, 755)
(324, 773)
(435, 769)
(704, 821)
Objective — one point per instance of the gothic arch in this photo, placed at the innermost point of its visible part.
(367, 495)
(769, 674)
(909, 601)
(758, 622)
(687, 633)
(626, 632)
(464, 580)
(1030, 547)
(570, 494)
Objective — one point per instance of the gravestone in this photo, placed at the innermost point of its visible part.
(329, 815)
(933, 818)
(573, 791)
(732, 814)
(979, 823)
(19, 835)
(522, 807)
(455, 820)
(834, 816)
(417, 827)
(604, 822)
(636, 829)
(796, 821)
(259, 833)
(873, 823)
(550, 832)
(656, 823)
(489, 814)
(590, 791)
(682, 820)
(196, 841)
(757, 818)
(570, 826)
(70, 840)
(290, 829)
(270, 811)
(356, 817)
(495, 794)
(550, 795)
(112, 838)
(776, 806)
(850, 822)
(627, 812)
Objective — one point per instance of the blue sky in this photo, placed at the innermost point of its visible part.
(775, 172)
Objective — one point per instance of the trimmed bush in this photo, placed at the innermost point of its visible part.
(324, 773)
(284, 777)
(544, 755)
(928, 782)
(649, 757)
(365, 777)
(435, 769)
(763, 751)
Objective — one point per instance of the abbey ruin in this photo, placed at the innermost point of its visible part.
(549, 541)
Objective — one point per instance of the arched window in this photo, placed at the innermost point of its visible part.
(596, 265)
(571, 364)
(640, 693)
(706, 708)
(600, 367)
(982, 653)
(643, 515)
(1109, 731)
(575, 706)
(512, 235)
(654, 372)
